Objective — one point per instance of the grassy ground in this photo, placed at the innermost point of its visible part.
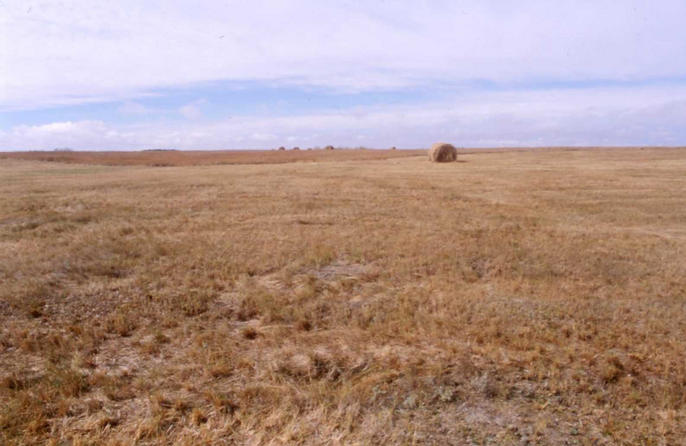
(534, 297)
(194, 158)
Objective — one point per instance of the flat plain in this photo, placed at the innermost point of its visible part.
(166, 158)
(512, 297)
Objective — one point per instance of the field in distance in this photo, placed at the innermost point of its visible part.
(515, 297)
(165, 158)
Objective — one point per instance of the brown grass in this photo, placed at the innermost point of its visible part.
(533, 296)
(196, 158)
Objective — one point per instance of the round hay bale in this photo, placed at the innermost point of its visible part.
(282, 148)
(296, 148)
(328, 148)
(393, 148)
(442, 153)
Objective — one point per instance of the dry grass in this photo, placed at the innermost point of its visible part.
(196, 158)
(513, 297)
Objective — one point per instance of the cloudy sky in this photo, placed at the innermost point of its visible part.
(189, 74)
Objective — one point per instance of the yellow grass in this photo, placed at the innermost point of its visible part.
(532, 296)
(204, 157)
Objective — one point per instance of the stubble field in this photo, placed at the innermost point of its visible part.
(524, 297)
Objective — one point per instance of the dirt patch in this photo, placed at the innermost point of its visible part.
(338, 270)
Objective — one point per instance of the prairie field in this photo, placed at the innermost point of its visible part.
(167, 158)
(509, 298)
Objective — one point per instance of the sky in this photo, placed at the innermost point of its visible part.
(182, 74)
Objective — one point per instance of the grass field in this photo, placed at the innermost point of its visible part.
(194, 158)
(525, 297)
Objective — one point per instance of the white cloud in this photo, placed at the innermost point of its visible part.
(192, 110)
(622, 116)
(58, 134)
(77, 51)
(133, 108)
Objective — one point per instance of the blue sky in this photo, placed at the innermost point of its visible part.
(231, 74)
